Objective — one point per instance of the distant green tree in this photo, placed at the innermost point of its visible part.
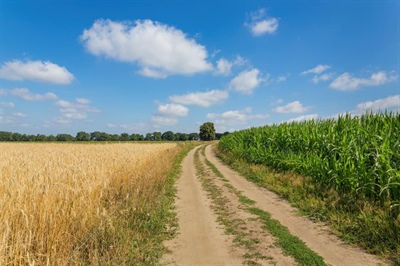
(104, 137)
(134, 137)
(114, 137)
(51, 138)
(64, 137)
(95, 135)
(157, 136)
(168, 135)
(124, 137)
(207, 131)
(194, 136)
(181, 136)
(82, 136)
(140, 137)
(6, 136)
(177, 136)
(40, 137)
(17, 137)
(148, 137)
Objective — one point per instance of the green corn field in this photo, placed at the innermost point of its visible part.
(357, 155)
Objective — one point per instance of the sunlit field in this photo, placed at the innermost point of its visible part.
(76, 204)
(352, 165)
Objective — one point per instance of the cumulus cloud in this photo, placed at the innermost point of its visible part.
(293, 107)
(260, 24)
(346, 82)
(246, 81)
(235, 117)
(159, 50)
(26, 95)
(3, 92)
(42, 71)
(19, 114)
(76, 110)
(158, 121)
(172, 109)
(7, 104)
(281, 79)
(167, 114)
(223, 67)
(303, 118)
(316, 70)
(391, 102)
(324, 77)
(204, 99)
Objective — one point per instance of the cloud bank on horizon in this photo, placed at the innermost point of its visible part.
(126, 72)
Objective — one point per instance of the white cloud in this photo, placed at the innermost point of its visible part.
(26, 95)
(172, 109)
(82, 101)
(260, 24)
(281, 79)
(324, 77)
(236, 117)
(160, 50)
(239, 61)
(293, 107)
(43, 71)
(77, 110)
(111, 125)
(223, 67)
(7, 104)
(19, 114)
(381, 104)
(167, 114)
(246, 81)
(3, 92)
(303, 118)
(204, 99)
(158, 121)
(63, 103)
(316, 70)
(347, 82)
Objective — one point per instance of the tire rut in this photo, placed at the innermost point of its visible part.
(316, 236)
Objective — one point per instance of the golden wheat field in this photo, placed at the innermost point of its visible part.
(55, 199)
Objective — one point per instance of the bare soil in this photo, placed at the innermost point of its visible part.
(202, 240)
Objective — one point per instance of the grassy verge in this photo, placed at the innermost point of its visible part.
(146, 230)
(356, 221)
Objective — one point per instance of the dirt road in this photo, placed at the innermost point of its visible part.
(217, 227)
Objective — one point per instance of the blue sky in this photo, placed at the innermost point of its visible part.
(145, 66)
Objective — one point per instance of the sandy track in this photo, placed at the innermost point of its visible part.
(316, 236)
(201, 240)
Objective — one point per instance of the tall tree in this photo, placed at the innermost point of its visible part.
(64, 137)
(6, 136)
(82, 136)
(95, 135)
(41, 137)
(134, 137)
(148, 137)
(157, 136)
(207, 131)
(194, 136)
(168, 135)
(124, 137)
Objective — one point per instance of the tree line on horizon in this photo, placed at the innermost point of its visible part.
(207, 132)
